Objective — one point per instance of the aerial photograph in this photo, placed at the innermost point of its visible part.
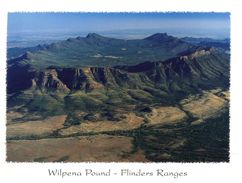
(118, 87)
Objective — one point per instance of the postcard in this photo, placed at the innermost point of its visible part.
(132, 94)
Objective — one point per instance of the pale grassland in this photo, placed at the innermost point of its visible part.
(12, 115)
(166, 115)
(39, 127)
(225, 95)
(130, 122)
(101, 148)
(204, 106)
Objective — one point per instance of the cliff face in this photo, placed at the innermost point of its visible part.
(198, 70)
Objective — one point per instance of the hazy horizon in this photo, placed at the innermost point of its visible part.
(24, 27)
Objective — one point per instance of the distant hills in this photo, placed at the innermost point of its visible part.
(96, 50)
(223, 44)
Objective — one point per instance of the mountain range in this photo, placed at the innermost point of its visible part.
(159, 66)
(106, 77)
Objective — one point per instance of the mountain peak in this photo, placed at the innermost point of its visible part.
(159, 37)
(93, 35)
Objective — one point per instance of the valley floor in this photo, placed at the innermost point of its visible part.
(194, 130)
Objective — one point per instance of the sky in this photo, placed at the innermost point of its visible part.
(129, 25)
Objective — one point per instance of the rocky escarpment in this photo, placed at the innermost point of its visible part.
(199, 70)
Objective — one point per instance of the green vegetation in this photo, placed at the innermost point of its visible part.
(73, 119)
(46, 105)
(82, 101)
(141, 96)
